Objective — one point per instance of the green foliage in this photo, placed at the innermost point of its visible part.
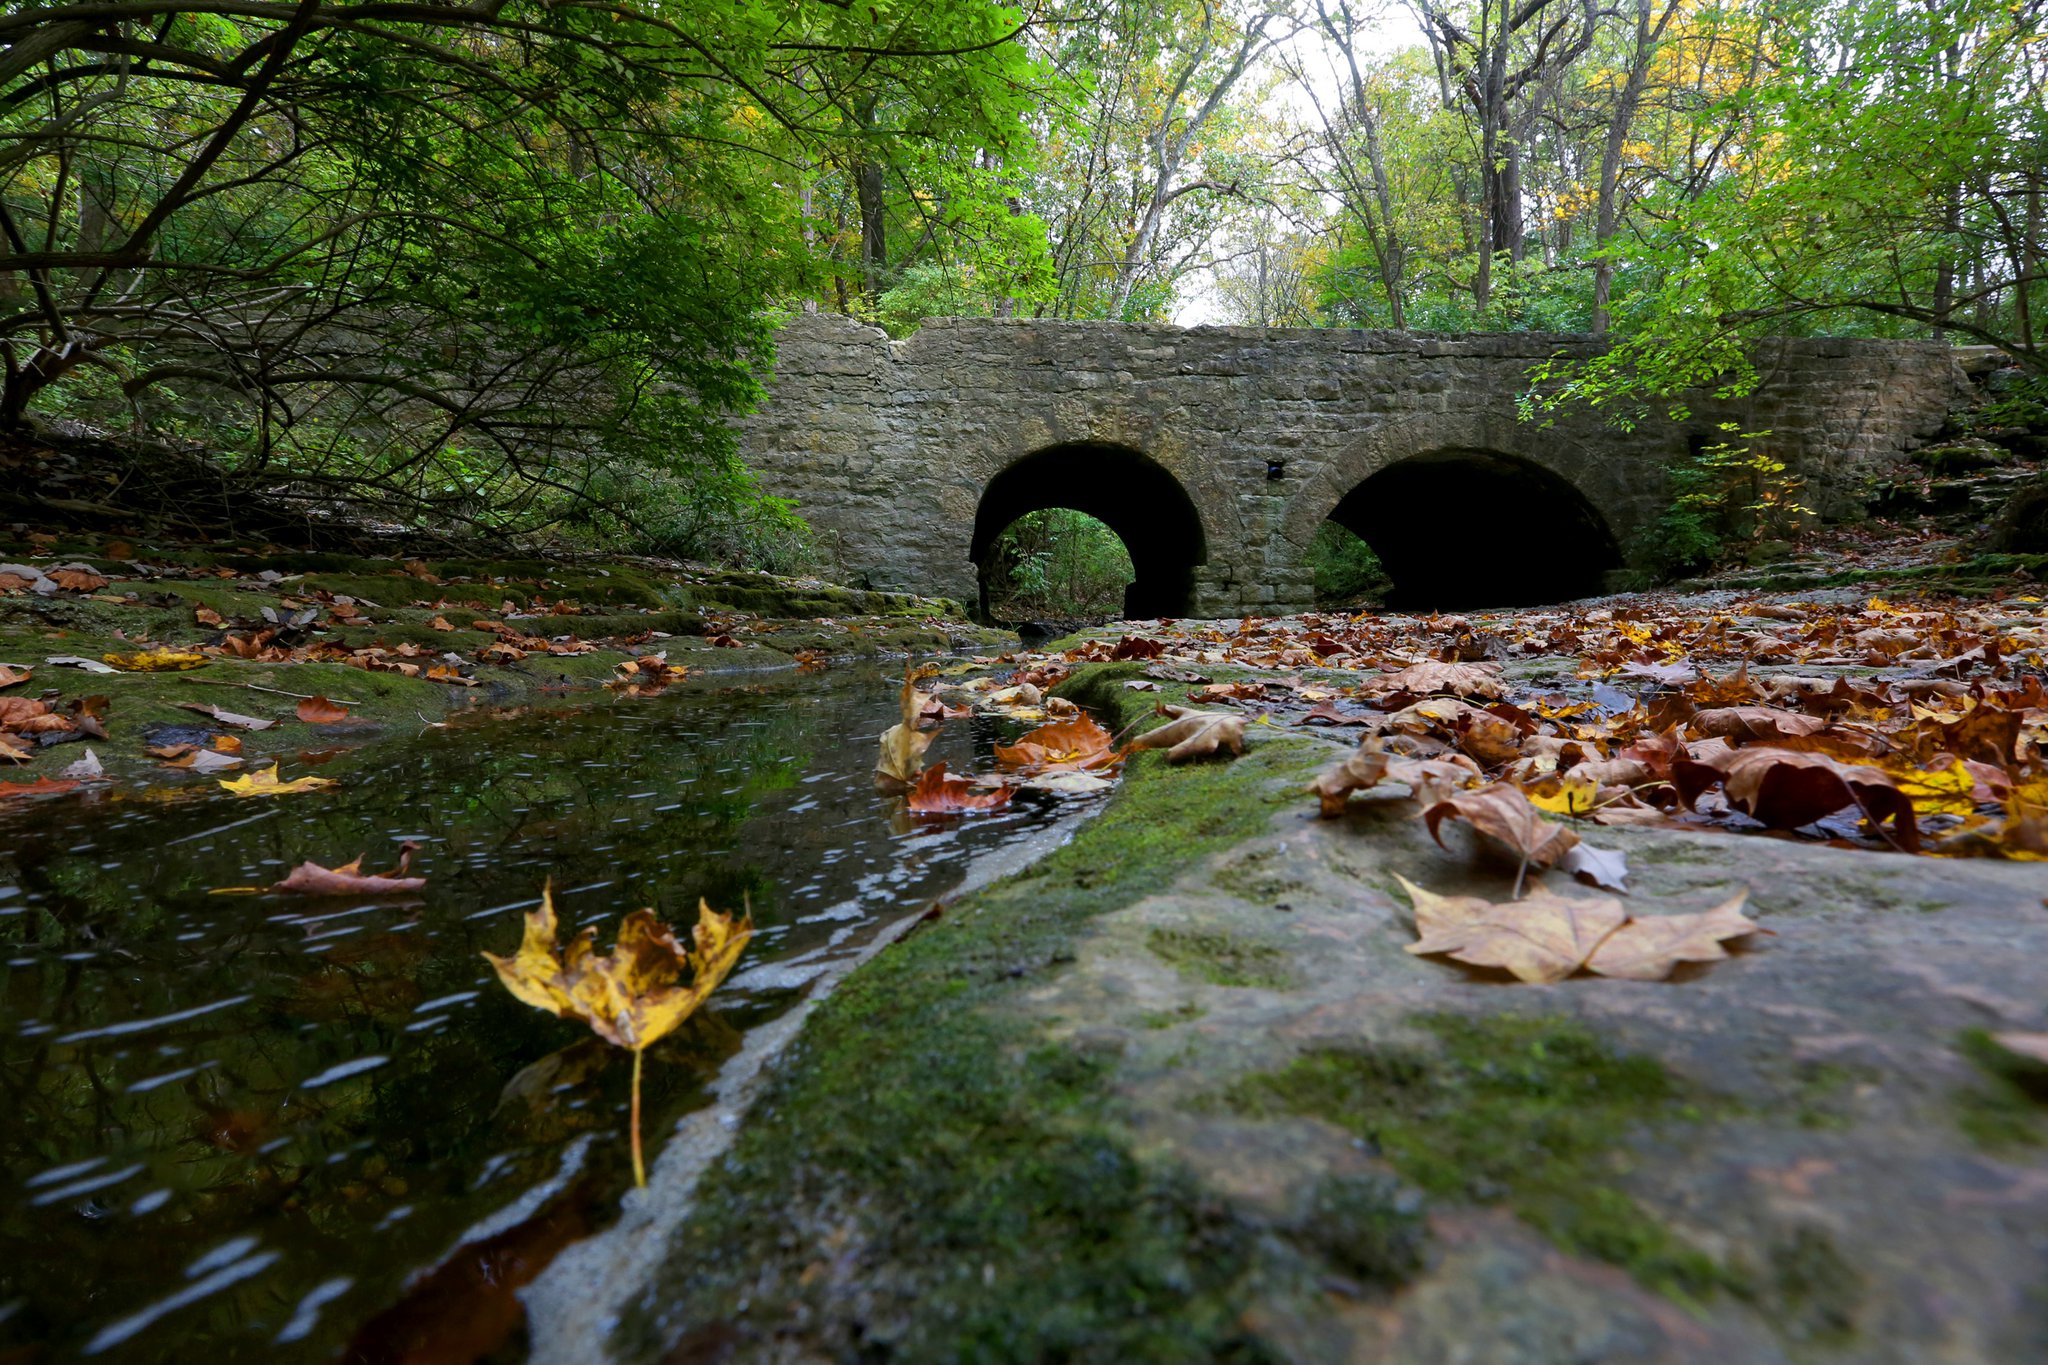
(477, 267)
(1057, 564)
(1720, 494)
(1348, 573)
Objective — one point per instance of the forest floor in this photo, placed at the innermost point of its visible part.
(1183, 1091)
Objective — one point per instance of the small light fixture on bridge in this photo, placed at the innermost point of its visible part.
(1275, 470)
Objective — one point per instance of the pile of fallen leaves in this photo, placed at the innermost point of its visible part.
(1068, 754)
(1917, 728)
(1921, 728)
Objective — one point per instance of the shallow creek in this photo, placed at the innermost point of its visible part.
(251, 1127)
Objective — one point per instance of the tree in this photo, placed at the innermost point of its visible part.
(1502, 59)
(467, 259)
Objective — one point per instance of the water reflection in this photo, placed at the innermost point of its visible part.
(238, 1127)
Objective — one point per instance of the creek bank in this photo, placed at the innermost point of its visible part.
(502, 633)
(1178, 1092)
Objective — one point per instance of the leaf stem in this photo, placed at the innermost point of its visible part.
(639, 1166)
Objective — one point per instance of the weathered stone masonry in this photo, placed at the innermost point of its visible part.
(1215, 452)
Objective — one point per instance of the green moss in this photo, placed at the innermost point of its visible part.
(1259, 877)
(1371, 1228)
(1165, 1019)
(1810, 1290)
(2006, 1110)
(1222, 959)
(997, 1212)
(1530, 1110)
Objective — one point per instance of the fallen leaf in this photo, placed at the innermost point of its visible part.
(42, 786)
(264, 782)
(74, 661)
(440, 623)
(156, 661)
(207, 616)
(320, 711)
(78, 578)
(240, 722)
(1193, 734)
(632, 996)
(1575, 793)
(204, 761)
(1069, 784)
(86, 769)
(311, 879)
(1076, 744)
(1459, 680)
(1602, 867)
(903, 744)
(14, 751)
(1503, 813)
(936, 793)
(13, 675)
(1646, 949)
(1361, 769)
(1785, 789)
(1748, 724)
(1543, 938)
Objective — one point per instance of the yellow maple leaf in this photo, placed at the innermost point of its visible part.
(1943, 792)
(632, 996)
(264, 782)
(1574, 794)
(156, 661)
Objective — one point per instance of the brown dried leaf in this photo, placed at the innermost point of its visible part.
(1503, 813)
(1193, 734)
(1647, 949)
(1542, 938)
(311, 879)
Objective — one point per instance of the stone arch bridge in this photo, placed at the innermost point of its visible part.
(1216, 452)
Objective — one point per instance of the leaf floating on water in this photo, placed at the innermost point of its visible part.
(264, 782)
(240, 722)
(42, 786)
(903, 744)
(311, 879)
(633, 996)
(937, 793)
(1072, 745)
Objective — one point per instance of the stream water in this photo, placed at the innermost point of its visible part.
(256, 1127)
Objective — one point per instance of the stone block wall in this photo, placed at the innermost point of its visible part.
(888, 447)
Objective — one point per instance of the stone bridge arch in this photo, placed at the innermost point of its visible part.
(899, 453)
(1136, 496)
(1473, 510)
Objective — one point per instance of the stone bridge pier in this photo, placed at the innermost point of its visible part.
(1215, 453)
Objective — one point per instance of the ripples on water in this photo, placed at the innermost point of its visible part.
(248, 1127)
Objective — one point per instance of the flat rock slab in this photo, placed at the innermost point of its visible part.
(1831, 1158)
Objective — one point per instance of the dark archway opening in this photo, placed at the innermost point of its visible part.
(1127, 492)
(1471, 528)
